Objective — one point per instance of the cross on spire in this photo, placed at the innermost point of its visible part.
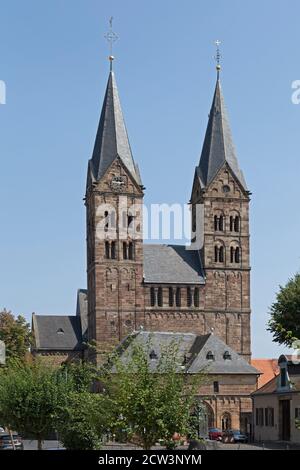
(218, 56)
(111, 38)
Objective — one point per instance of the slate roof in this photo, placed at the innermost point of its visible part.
(112, 139)
(82, 311)
(192, 354)
(62, 332)
(218, 146)
(172, 264)
(57, 332)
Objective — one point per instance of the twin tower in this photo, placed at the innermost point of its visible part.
(132, 285)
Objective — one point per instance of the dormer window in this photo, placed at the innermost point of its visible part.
(227, 355)
(153, 355)
(283, 378)
(210, 356)
(60, 331)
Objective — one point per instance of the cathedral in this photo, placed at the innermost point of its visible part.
(199, 293)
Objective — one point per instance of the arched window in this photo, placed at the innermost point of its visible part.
(227, 355)
(106, 221)
(112, 219)
(113, 250)
(210, 356)
(237, 255)
(153, 356)
(221, 223)
(221, 254)
(189, 296)
(107, 251)
(237, 224)
(178, 297)
(196, 297)
(130, 251)
(130, 221)
(152, 297)
(231, 224)
(216, 223)
(226, 421)
(216, 254)
(160, 297)
(125, 250)
(231, 254)
(171, 297)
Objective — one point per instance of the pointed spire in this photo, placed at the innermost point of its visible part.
(112, 139)
(218, 146)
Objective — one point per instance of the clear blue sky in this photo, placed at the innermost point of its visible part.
(53, 60)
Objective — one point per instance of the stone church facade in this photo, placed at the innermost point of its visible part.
(203, 290)
(165, 287)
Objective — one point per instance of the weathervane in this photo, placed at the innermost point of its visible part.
(218, 56)
(111, 38)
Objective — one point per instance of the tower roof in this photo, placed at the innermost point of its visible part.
(112, 139)
(218, 146)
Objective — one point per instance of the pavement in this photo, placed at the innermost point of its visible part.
(211, 445)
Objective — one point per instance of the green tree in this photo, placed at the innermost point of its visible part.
(83, 421)
(151, 399)
(15, 332)
(285, 313)
(33, 396)
(85, 417)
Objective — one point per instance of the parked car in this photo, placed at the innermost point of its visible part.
(215, 434)
(234, 435)
(6, 444)
(2, 429)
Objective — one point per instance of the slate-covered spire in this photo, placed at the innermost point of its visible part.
(112, 139)
(218, 146)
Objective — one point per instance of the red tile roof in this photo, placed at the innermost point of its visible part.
(268, 368)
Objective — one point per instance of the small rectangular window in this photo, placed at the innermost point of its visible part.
(125, 250)
(152, 297)
(107, 250)
(131, 250)
(189, 297)
(266, 417)
(196, 297)
(171, 297)
(113, 250)
(178, 297)
(216, 387)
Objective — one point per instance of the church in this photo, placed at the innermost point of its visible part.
(200, 294)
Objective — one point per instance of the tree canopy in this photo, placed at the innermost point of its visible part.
(15, 333)
(151, 399)
(32, 397)
(285, 313)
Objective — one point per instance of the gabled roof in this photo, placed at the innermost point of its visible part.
(269, 387)
(192, 354)
(172, 264)
(62, 332)
(57, 332)
(112, 139)
(268, 368)
(218, 146)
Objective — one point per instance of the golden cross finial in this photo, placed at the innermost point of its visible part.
(218, 56)
(111, 38)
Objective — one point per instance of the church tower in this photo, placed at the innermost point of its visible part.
(220, 219)
(114, 198)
